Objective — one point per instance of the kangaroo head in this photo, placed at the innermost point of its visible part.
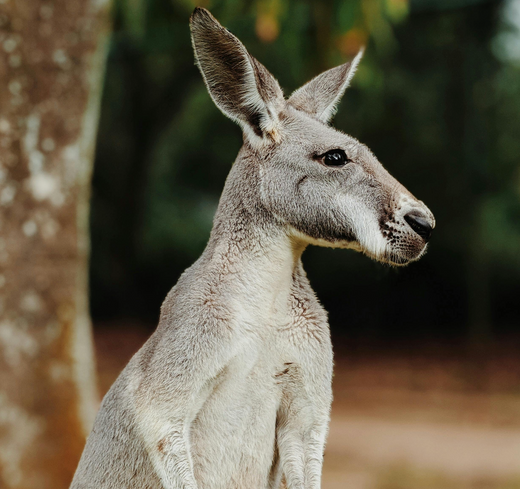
(324, 186)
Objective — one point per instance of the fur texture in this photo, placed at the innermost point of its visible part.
(233, 389)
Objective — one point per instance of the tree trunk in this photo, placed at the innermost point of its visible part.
(51, 65)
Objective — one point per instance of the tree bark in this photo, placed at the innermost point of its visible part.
(51, 64)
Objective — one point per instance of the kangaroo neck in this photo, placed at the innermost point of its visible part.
(250, 254)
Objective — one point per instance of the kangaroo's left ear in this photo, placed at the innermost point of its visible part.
(320, 96)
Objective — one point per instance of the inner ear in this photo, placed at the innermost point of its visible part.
(321, 95)
(241, 87)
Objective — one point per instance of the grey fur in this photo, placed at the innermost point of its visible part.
(233, 389)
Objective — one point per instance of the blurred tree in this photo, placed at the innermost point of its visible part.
(51, 65)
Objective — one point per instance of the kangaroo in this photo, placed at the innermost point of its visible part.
(233, 390)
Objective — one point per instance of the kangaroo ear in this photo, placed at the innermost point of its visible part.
(241, 87)
(320, 96)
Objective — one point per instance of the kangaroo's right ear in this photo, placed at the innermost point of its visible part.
(241, 87)
(320, 97)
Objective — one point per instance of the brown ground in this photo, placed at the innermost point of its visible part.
(411, 419)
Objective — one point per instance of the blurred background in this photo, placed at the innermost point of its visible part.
(427, 384)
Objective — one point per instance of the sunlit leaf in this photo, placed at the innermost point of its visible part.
(397, 10)
(267, 27)
(350, 43)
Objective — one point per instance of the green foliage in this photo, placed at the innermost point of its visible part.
(430, 99)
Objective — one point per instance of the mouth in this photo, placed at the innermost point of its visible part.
(405, 242)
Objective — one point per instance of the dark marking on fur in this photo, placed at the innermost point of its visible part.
(161, 446)
(283, 372)
(286, 370)
(254, 119)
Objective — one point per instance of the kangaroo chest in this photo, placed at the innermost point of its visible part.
(233, 437)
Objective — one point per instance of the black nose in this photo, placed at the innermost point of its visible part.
(420, 224)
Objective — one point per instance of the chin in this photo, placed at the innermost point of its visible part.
(402, 258)
(396, 257)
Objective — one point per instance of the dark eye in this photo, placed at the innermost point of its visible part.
(335, 157)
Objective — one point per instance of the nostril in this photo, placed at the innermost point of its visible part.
(419, 224)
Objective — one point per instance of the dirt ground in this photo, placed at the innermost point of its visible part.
(409, 418)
